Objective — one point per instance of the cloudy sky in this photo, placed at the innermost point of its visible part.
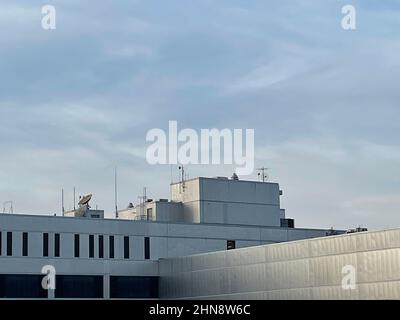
(324, 102)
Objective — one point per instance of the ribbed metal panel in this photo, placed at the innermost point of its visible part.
(306, 269)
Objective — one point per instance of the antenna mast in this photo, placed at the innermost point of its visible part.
(74, 200)
(62, 201)
(182, 178)
(115, 192)
(11, 203)
(262, 174)
(142, 201)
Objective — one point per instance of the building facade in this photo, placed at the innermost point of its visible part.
(361, 265)
(93, 257)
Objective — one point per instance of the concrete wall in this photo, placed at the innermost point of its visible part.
(166, 239)
(187, 192)
(226, 190)
(308, 269)
(168, 211)
(211, 200)
(164, 211)
(127, 214)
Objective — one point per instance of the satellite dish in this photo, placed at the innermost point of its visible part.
(85, 200)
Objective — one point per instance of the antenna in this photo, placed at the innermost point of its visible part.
(74, 200)
(262, 174)
(11, 203)
(62, 201)
(182, 178)
(140, 207)
(115, 192)
(142, 201)
(85, 200)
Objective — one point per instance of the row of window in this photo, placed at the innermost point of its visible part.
(111, 253)
(78, 286)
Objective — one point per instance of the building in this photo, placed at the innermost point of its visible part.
(95, 257)
(357, 265)
(215, 200)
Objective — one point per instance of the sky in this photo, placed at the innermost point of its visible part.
(324, 102)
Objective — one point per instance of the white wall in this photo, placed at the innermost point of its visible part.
(189, 237)
(306, 269)
(210, 200)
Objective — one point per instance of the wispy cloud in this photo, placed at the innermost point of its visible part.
(76, 101)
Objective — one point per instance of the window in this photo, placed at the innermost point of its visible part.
(91, 246)
(45, 244)
(133, 287)
(147, 248)
(111, 247)
(126, 247)
(9, 243)
(76, 245)
(230, 244)
(56, 244)
(19, 286)
(79, 286)
(287, 223)
(24, 244)
(101, 247)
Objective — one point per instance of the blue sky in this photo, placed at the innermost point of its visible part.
(324, 102)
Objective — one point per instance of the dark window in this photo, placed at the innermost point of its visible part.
(21, 286)
(126, 247)
(133, 287)
(76, 246)
(45, 244)
(91, 246)
(9, 243)
(111, 247)
(230, 244)
(25, 244)
(287, 223)
(101, 247)
(56, 244)
(147, 248)
(79, 286)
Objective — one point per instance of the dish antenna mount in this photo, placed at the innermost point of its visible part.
(262, 174)
(85, 200)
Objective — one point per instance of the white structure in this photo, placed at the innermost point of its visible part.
(117, 258)
(214, 200)
(220, 200)
(362, 265)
